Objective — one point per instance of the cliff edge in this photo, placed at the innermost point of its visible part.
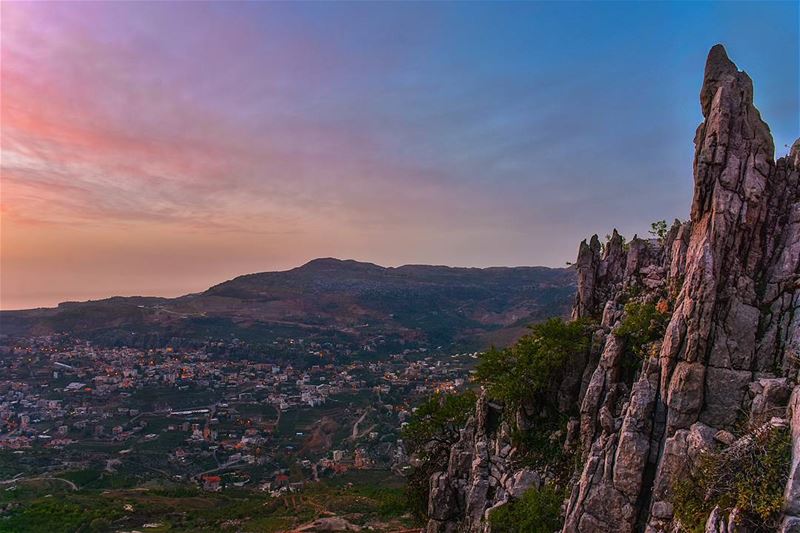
(721, 373)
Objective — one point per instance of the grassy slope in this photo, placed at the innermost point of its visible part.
(374, 498)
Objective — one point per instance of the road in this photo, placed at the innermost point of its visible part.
(357, 422)
(18, 479)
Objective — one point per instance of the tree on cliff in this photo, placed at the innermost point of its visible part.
(534, 364)
(429, 435)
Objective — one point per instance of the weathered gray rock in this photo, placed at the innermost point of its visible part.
(733, 276)
(770, 396)
(522, 481)
(725, 437)
(442, 503)
(729, 282)
(716, 522)
(724, 394)
(791, 495)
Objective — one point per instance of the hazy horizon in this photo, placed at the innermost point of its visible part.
(157, 149)
(167, 292)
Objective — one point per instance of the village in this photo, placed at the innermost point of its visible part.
(128, 415)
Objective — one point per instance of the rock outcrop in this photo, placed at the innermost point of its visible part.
(728, 285)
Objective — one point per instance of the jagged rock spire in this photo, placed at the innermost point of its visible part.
(731, 326)
(730, 282)
(719, 69)
(733, 146)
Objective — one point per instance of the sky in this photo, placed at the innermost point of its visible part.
(159, 148)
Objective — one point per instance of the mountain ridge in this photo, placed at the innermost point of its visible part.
(417, 304)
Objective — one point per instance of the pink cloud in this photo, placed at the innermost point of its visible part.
(209, 144)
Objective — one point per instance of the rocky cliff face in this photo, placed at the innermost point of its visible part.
(727, 283)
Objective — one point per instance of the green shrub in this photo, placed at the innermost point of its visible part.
(535, 364)
(530, 373)
(438, 419)
(537, 511)
(750, 478)
(83, 477)
(642, 324)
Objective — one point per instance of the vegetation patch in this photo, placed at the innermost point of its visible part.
(56, 516)
(533, 367)
(748, 477)
(659, 230)
(537, 511)
(528, 376)
(541, 447)
(376, 498)
(643, 323)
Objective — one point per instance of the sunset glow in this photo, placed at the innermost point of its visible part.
(159, 148)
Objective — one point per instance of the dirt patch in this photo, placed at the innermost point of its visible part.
(321, 438)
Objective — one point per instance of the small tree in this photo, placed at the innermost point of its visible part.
(659, 229)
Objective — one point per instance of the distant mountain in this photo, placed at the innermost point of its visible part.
(342, 303)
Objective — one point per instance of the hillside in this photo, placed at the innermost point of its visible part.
(359, 306)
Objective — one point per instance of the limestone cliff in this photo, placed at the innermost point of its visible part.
(728, 284)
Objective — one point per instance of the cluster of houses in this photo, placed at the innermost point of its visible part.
(59, 392)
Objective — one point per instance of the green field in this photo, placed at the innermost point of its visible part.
(365, 498)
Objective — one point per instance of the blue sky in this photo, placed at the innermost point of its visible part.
(225, 138)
